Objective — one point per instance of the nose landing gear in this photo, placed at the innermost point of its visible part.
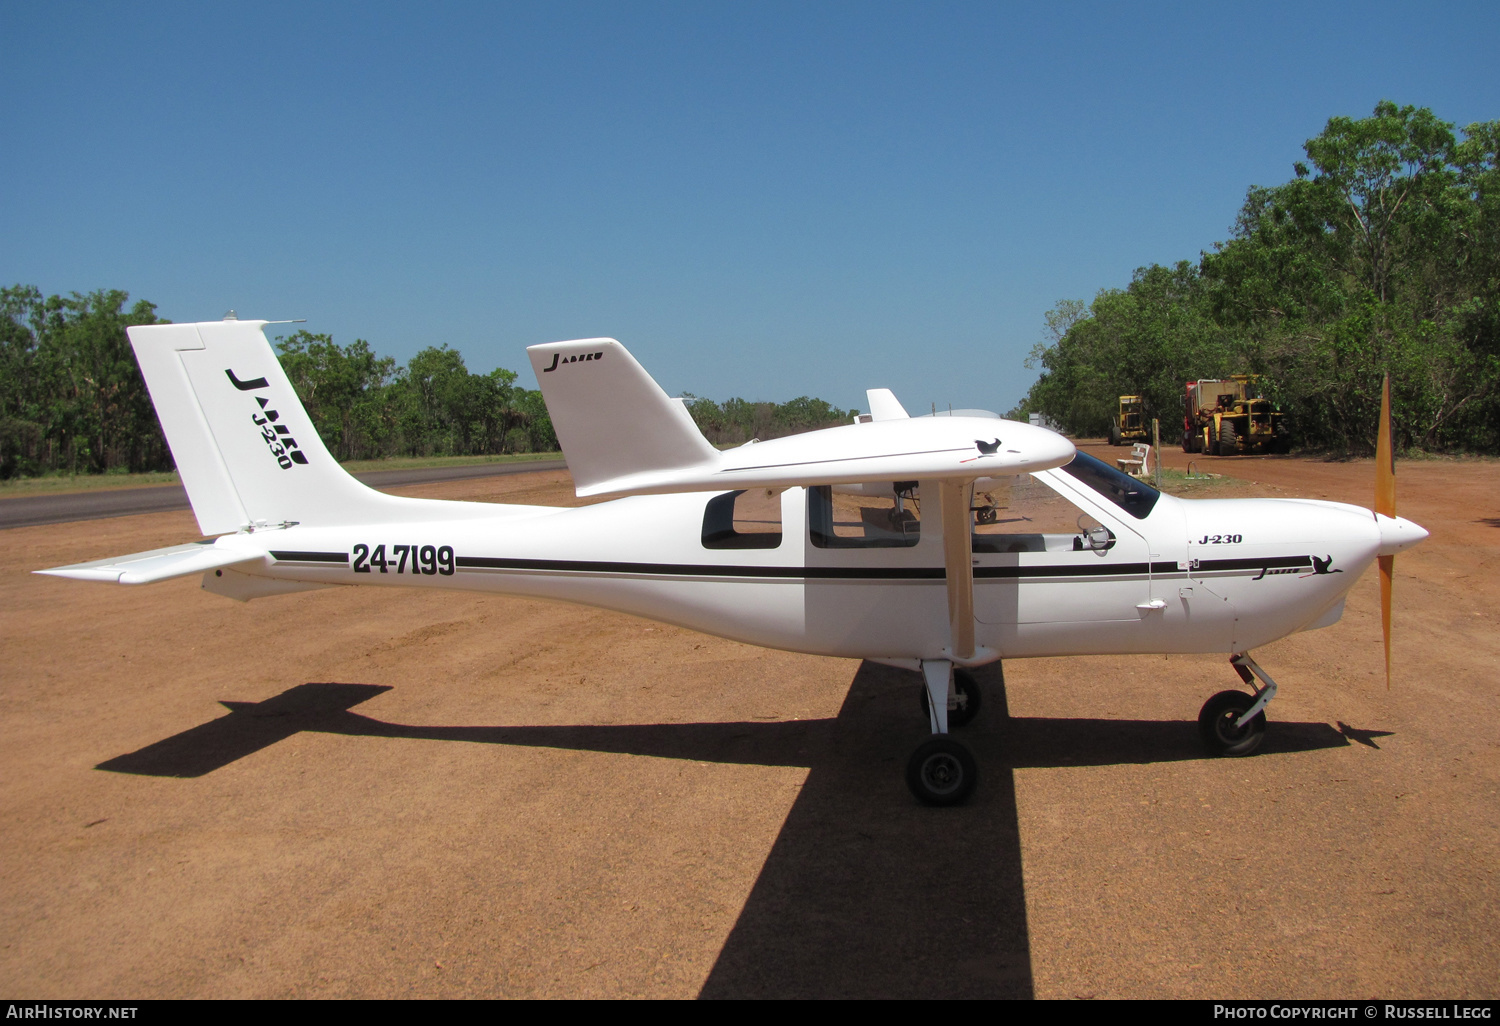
(1233, 723)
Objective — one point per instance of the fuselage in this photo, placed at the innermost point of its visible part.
(1183, 576)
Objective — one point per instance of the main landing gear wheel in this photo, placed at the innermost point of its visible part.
(963, 703)
(941, 772)
(1216, 723)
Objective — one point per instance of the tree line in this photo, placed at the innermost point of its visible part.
(736, 421)
(72, 399)
(1381, 253)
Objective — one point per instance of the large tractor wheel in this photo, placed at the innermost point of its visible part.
(1282, 442)
(1228, 439)
(1114, 434)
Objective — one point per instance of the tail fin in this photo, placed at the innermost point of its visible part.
(884, 405)
(245, 448)
(611, 418)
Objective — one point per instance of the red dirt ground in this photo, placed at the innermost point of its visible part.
(440, 794)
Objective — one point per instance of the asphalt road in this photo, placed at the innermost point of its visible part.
(36, 510)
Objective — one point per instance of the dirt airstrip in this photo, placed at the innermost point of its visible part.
(381, 793)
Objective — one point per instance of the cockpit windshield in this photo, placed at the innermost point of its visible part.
(1134, 496)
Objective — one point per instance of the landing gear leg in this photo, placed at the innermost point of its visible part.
(941, 771)
(937, 674)
(963, 700)
(1232, 722)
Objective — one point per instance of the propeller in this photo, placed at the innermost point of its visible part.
(1385, 505)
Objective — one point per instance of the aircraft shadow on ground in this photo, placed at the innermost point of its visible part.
(864, 893)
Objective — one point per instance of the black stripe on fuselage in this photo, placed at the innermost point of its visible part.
(924, 573)
(310, 557)
(853, 573)
(589, 566)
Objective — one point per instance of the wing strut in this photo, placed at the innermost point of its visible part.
(958, 562)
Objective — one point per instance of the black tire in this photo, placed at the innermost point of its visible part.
(941, 772)
(963, 704)
(1187, 441)
(1228, 439)
(1114, 434)
(1216, 724)
(1282, 442)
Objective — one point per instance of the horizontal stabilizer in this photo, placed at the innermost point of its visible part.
(156, 565)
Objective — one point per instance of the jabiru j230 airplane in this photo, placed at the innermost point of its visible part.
(927, 543)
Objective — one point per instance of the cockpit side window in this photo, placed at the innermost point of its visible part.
(1026, 514)
(1133, 496)
(743, 520)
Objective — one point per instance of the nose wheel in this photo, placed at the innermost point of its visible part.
(1233, 723)
(1219, 724)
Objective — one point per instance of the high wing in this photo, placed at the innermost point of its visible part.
(959, 448)
(623, 435)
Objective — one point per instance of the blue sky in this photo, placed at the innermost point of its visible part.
(758, 199)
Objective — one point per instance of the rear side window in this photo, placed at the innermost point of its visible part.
(743, 520)
(1133, 496)
(844, 521)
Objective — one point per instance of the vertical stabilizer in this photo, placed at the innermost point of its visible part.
(612, 419)
(884, 405)
(245, 448)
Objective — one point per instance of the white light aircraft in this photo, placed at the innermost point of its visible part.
(862, 541)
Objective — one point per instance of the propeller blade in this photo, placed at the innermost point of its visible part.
(1387, 564)
(1385, 504)
(1385, 457)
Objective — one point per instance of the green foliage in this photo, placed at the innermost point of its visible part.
(343, 390)
(1382, 253)
(1142, 340)
(365, 407)
(71, 395)
(737, 421)
(72, 398)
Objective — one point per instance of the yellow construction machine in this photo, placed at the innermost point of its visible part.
(1130, 424)
(1227, 417)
